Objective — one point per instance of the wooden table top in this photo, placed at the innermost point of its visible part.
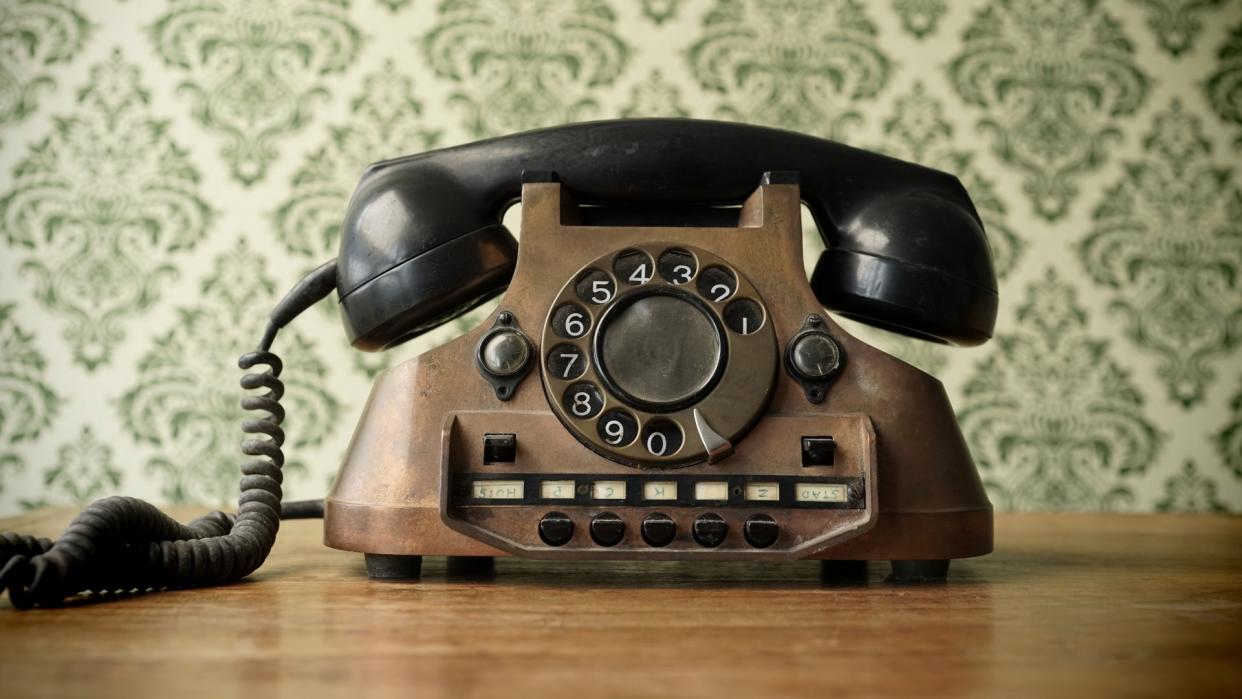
(1069, 605)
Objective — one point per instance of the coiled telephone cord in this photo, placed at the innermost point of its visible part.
(121, 544)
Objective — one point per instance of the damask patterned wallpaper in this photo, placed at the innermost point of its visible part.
(169, 168)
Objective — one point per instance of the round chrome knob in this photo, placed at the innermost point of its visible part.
(505, 353)
(815, 356)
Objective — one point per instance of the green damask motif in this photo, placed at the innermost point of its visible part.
(795, 64)
(654, 97)
(83, 472)
(35, 35)
(660, 11)
(186, 401)
(27, 402)
(101, 204)
(394, 5)
(386, 122)
(1168, 239)
(1054, 77)
(1175, 22)
(1229, 440)
(920, 17)
(1190, 491)
(522, 64)
(255, 68)
(1224, 85)
(1053, 422)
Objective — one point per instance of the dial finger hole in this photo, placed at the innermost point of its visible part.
(677, 266)
(566, 361)
(617, 427)
(596, 287)
(662, 437)
(583, 400)
(743, 316)
(633, 267)
(570, 321)
(717, 283)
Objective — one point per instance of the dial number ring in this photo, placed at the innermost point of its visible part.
(660, 280)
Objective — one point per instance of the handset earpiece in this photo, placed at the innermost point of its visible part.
(417, 251)
(916, 263)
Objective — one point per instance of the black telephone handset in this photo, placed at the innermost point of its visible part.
(422, 242)
(422, 239)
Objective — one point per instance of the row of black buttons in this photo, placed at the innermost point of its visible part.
(658, 529)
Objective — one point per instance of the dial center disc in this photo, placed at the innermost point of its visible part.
(659, 350)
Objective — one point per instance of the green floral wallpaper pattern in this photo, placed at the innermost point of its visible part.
(169, 167)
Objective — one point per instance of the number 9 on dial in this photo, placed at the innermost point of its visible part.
(617, 427)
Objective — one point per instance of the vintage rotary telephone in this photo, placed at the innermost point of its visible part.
(658, 382)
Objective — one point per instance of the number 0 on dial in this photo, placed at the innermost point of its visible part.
(662, 438)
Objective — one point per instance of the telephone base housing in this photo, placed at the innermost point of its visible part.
(416, 479)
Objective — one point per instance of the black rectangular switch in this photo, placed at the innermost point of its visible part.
(818, 451)
(499, 448)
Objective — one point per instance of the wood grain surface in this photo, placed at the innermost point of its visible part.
(1069, 605)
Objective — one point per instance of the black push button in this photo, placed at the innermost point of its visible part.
(658, 529)
(499, 448)
(607, 529)
(818, 451)
(556, 529)
(710, 530)
(761, 531)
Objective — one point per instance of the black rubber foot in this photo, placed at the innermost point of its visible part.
(471, 566)
(843, 572)
(920, 571)
(382, 566)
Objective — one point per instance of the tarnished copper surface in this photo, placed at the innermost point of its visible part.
(388, 497)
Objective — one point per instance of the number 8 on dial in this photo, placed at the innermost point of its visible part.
(583, 400)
